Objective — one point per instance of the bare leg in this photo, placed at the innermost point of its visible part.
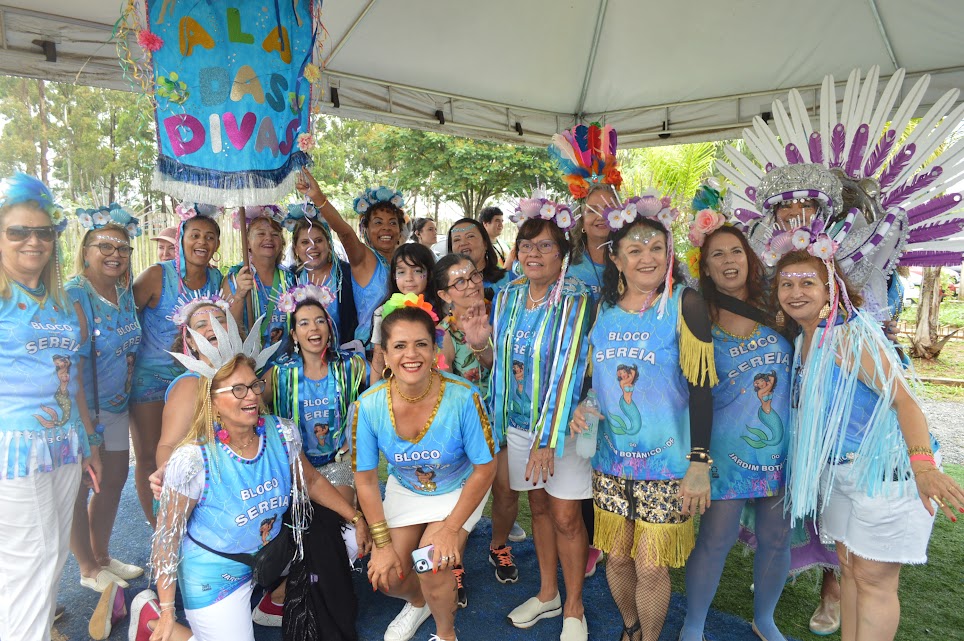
(180, 632)
(544, 537)
(872, 587)
(405, 540)
(439, 590)
(572, 546)
(505, 502)
(103, 506)
(80, 536)
(145, 434)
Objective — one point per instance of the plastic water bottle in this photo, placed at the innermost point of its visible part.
(586, 441)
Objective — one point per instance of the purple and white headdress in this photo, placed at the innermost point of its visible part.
(289, 300)
(539, 207)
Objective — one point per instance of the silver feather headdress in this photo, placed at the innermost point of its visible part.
(229, 346)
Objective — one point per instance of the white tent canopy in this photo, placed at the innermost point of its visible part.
(519, 71)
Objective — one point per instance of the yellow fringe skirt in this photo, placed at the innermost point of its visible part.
(647, 515)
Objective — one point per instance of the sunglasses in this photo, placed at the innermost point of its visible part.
(241, 390)
(19, 233)
(108, 250)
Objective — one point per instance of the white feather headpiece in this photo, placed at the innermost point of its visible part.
(229, 345)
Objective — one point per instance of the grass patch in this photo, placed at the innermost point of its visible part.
(930, 595)
(950, 312)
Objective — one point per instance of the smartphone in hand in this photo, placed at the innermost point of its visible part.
(422, 559)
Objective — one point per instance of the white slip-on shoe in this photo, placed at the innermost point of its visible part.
(534, 610)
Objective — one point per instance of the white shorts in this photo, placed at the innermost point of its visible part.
(117, 431)
(404, 507)
(227, 620)
(35, 529)
(888, 527)
(572, 474)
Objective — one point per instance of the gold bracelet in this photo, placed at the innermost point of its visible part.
(381, 526)
(920, 450)
(383, 540)
(358, 516)
(481, 350)
(925, 471)
(318, 207)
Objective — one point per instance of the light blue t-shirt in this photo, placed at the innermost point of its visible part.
(642, 392)
(591, 274)
(440, 459)
(265, 299)
(116, 344)
(40, 351)
(751, 411)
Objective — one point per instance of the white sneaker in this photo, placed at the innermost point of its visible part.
(574, 629)
(436, 637)
(406, 624)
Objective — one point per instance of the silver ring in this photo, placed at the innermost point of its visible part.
(444, 559)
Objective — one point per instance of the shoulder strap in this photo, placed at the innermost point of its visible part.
(741, 308)
(247, 559)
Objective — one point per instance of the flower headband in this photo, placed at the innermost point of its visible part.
(398, 301)
(21, 188)
(373, 196)
(648, 205)
(301, 211)
(182, 314)
(289, 300)
(537, 208)
(103, 216)
(252, 213)
(587, 155)
(186, 211)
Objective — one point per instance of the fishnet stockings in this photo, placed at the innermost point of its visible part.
(641, 591)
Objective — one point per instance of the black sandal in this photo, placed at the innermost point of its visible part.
(630, 631)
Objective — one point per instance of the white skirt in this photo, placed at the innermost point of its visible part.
(572, 474)
(404, 507)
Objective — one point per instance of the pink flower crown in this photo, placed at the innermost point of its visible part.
(537, 208)
(289, 300)
(648, 205)
(704, 223)
(186, 211)
(182, 313)
(253, 212)
(812, 237)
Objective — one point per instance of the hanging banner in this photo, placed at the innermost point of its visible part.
(231, 97)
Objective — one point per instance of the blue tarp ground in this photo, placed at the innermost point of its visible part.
(482, 620)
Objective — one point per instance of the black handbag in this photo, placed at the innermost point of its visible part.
(268, 563)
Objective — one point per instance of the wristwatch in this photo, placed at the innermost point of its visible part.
(94, 439)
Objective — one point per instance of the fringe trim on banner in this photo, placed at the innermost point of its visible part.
(667, 544)
(228, 189)
(696, 357)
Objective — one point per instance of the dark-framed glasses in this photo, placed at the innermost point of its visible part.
(544, 246)
(19, 233)
(241, 390)
(108, 250)
(461, 284)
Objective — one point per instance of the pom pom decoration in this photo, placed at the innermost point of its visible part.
(149, 41)
(398, 301)
(587, 155)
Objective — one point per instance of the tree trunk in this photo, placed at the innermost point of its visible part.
(925, 343)
(44, 142)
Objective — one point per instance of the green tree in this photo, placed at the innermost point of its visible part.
(467, 172)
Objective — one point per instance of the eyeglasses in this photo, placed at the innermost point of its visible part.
(241, 390)
(19, 233)
(461, 284)
(108, 250)
(544, 246)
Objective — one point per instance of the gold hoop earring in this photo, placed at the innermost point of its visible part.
(620, 286)
(216, 257)
(387, 373)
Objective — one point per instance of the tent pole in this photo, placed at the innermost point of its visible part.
(243, 225)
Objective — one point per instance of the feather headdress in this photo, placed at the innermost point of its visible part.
(895, 204)
(229, 345)
(587, 155)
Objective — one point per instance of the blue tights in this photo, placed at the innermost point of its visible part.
(719, 528)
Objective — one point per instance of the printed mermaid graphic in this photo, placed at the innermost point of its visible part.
(61, 397)
(322, 434)
(265, 530)
(764, 383)
(425, 478)
(627, 375)
(519, 401)
(120, 399)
